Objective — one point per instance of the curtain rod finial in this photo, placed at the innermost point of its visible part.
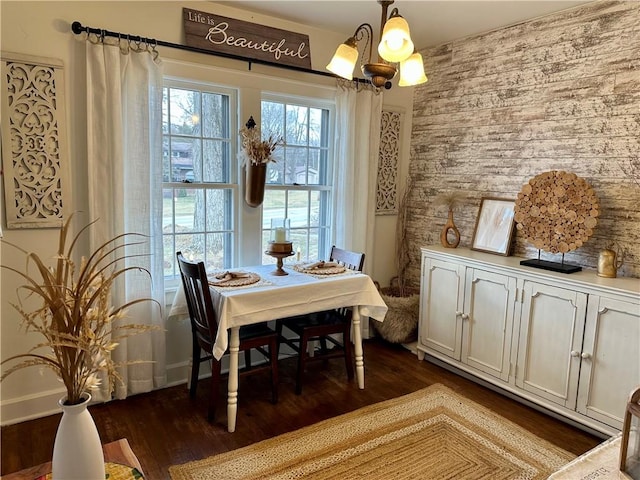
(76, 27)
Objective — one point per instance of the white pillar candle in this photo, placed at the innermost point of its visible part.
(280, 235)
(298, 254)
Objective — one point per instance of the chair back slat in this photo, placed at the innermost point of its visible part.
(351, 260)
(204, 322)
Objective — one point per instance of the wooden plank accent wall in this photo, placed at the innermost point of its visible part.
(560, 92)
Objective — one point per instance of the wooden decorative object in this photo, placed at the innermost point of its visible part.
(556, 211)
(450, 227)
(34, 140)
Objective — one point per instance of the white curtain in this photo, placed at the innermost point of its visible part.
(358, 116)
(124, 157)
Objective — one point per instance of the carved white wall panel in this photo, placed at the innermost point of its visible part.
(34, 148)
(388, 158)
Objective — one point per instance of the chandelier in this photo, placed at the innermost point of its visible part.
(395, 47)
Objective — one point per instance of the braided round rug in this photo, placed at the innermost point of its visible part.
(433, 433)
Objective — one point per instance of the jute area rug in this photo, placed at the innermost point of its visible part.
(433, 433)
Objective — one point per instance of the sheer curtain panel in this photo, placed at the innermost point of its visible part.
(124, 137)
(358, 116)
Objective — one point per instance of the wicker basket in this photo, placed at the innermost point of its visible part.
(401, 322)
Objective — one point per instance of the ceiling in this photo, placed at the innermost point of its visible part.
(431, 22)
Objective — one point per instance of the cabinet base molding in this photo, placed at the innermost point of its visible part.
(585, 424)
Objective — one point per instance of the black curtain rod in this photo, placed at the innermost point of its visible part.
(78, 28)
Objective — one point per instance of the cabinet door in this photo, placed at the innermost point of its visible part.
(550, 342)
(441, 304)
(610, 359)
(487, 322)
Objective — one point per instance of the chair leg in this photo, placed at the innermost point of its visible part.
(195, 370)
(348, 349)
(215, 386)
(302, 356)
(273, 355)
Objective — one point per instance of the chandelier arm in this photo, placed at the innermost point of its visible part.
(365, 32)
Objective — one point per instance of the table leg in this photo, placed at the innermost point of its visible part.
(357, 346)
(232, 389)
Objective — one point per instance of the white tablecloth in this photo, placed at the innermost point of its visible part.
(284, 296)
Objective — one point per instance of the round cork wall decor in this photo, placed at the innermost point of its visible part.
(556, 211)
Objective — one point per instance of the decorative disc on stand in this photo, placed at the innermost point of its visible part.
(556, 212)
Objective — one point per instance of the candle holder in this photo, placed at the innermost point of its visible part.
(279, 271)
(280, 246)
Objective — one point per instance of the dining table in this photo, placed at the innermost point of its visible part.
(275, 296)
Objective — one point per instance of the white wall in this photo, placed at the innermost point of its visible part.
(44, 29)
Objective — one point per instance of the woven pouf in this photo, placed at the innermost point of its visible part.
(401, 322)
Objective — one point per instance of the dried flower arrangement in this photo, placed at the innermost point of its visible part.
(451, 200)
(79, 325)
(256, 149)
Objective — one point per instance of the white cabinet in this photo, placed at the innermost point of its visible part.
(610, 367)
(550, 342)
(568, 342)
(441, 304)
(468, 315)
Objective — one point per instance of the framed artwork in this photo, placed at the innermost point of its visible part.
(494, 226)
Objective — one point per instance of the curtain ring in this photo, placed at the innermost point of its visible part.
(154, 51)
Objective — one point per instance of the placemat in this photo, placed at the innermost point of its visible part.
(233, 279)
(320, 268)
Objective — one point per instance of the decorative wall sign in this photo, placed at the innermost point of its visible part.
(237, 37)
(388, 157)
(34, 147)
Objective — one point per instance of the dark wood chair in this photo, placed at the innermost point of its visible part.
(323, 326)
(204, 328)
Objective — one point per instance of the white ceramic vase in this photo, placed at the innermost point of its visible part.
(77, 451)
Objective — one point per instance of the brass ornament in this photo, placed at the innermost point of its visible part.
(556, 211)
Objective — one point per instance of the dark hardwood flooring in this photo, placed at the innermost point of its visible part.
(166, 427)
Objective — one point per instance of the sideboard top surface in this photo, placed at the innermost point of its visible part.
(585, 278)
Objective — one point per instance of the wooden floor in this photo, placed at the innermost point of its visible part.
(166, 427)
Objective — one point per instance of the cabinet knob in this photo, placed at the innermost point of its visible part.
(575, 353)
(458, 313)
(465, 316)
(586, 355)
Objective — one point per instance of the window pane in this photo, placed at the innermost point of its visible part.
(297, 125)
(298, 208)
(215, 115)
(185, 159)
(216, 156)
(184, 112)
(219, 206)
(272, 119)
(296, 165)
(273, 206)
(313, 171)
(315, 127)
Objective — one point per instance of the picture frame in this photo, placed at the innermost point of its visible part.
(494, 226)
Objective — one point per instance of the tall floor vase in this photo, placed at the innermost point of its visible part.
(77, 451)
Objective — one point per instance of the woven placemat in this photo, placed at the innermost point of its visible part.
(320, 268)
(233, 279)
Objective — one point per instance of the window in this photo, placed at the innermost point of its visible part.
(199, 176)
(298, 183)
(204, 214)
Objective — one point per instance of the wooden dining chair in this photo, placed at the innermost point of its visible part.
(323, 326)
(204, 328)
